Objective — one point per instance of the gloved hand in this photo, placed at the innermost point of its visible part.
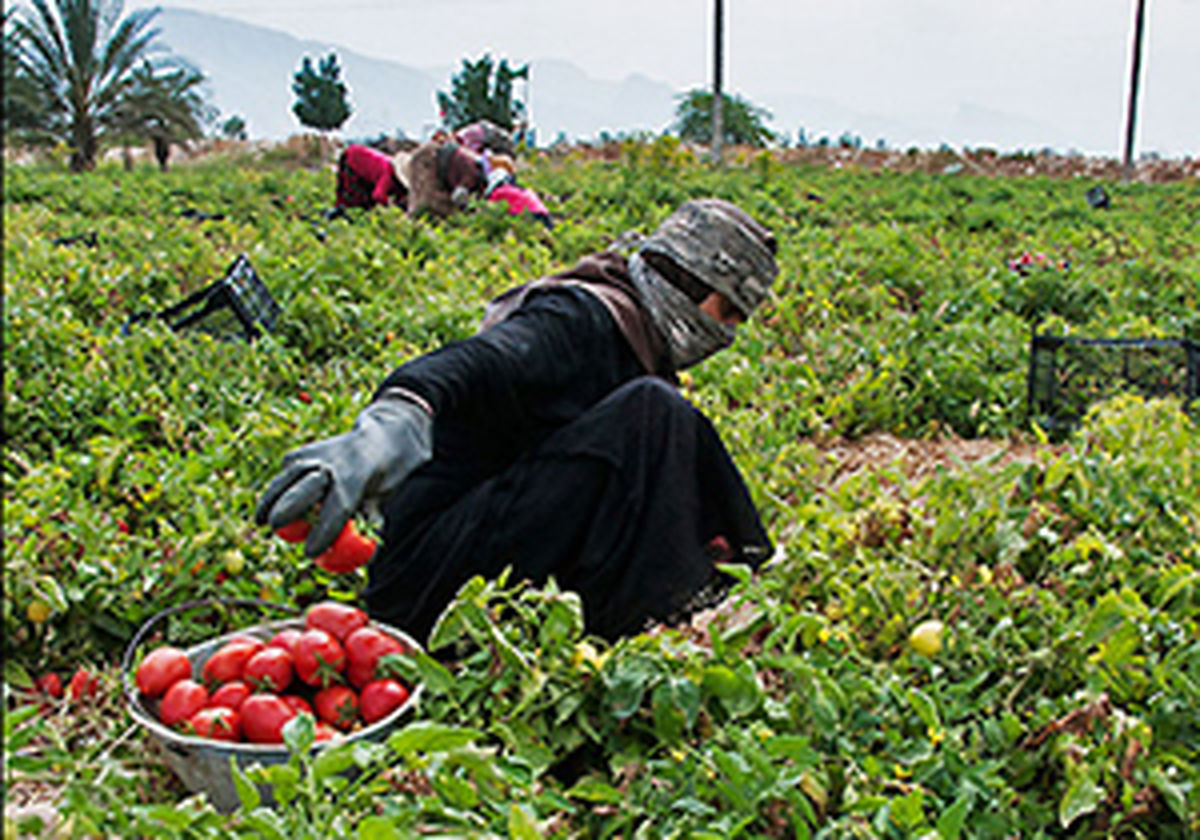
(391, 438)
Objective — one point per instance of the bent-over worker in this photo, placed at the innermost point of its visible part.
(554, 440)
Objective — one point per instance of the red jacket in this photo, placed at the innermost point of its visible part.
(376, 167)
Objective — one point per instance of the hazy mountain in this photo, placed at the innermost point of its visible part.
(250, 71)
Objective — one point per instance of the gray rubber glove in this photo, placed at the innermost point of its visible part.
(391, 438)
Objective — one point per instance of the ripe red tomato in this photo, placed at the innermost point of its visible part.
(83, 684)
(286, 639)
(364, 648)
(294, 532)
(337, 705)
(227, 663)
(349, 551)
(244, 639)
(216, 722)
(338, 620)
(319, 658)
(162, 667)
(324, 732)
(182, 700)
(298, 703)
(263, 717)
(231, 695)
(380, 698)
(49, 684)
(269, 670)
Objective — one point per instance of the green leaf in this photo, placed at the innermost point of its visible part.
(14, 674)
(923, 705)
(1174, 794)
(793, 747)
(950, 823)
(426, 736)
(591, 789)
(333, 760)
(458, 792)
(520, 825)
(378, 828)
(736, 688)
(246, 790)
(1081, 798)
(1105, 617)
(299, 733)
(626, 684)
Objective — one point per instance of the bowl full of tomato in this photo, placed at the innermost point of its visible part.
(230, 696)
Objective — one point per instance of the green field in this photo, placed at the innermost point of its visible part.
(1063, 701)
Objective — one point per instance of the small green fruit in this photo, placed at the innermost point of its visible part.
(926, 637)
(234, 562)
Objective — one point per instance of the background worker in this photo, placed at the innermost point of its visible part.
(554, 441)
(367, 177)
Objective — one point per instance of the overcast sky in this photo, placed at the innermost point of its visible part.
(1061, 65)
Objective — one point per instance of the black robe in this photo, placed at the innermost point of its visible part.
(554, 453)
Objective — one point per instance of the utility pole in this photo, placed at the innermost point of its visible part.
(1139, 23)
(717, 130)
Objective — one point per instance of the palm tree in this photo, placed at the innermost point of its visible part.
(741, 120)
(80, 55)
(21, 95)
(163, 106)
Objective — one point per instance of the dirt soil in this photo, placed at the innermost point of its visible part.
(919, 457)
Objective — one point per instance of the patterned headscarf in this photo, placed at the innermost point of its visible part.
(706, 245)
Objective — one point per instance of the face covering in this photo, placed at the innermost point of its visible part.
(691, 333)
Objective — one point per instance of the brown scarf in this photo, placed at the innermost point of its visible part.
(606, 276)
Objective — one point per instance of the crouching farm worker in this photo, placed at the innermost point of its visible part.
(367, 177)
(444, 176)
(554, 441)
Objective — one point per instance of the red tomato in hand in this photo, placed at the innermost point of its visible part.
(349, 551)
(162, 668)
(182, 700)
(294, 532)
(380, 698)
(231, 695)
(338, 620)
(263, 717)
(286, 639)
(337, 705)
(364, 648)
(49, 684)
(216, 722)
(227, 663)
(269, 670)
(83, 684)
(319, 658)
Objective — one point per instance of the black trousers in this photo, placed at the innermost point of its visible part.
(619, 505)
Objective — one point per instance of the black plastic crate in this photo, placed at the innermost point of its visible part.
(1067, 375)
(238, 305)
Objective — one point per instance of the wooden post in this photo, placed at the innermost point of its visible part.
(717, 129)
(1134, 76)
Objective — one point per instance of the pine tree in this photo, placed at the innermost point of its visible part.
(474, 96)
(320, 94)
